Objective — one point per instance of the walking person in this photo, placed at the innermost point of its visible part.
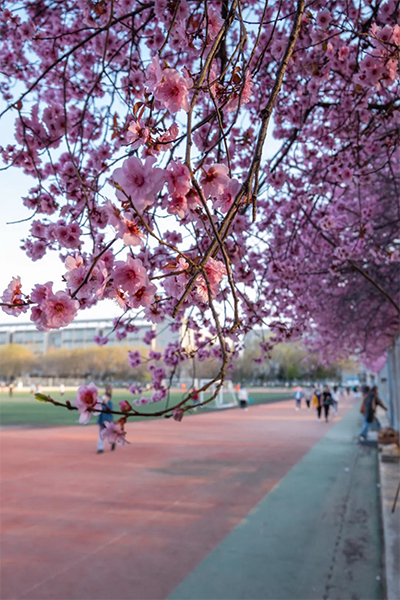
(326, 401)
(368, 409)
(298, 394)
(308, 394)
(105, 417)
(62, 389)
(317, 402)
(243, 398)
(335, 399)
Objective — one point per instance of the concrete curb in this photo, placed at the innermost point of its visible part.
(389, 478)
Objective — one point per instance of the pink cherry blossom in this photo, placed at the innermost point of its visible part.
(87, 402)
(324, 18)
(114, 433)
(172, 91)
(59, 309)
(130, 276)
(137, 135)
(124, 406)
(214, 180)
(139, 181)
(13, 295)
(153, 74)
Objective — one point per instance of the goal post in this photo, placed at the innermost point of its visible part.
(226, 397)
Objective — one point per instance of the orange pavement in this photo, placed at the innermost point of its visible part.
(134, 523)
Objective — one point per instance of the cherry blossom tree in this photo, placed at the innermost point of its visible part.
(144, 128)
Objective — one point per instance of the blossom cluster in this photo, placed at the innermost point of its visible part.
(143, 127)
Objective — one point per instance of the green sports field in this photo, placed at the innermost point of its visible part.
(24, 410)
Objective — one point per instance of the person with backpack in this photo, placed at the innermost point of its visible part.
(298, 394)
(368, 409)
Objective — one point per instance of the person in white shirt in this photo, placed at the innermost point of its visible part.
(243, 398)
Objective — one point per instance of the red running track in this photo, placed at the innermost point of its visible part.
(135, 522)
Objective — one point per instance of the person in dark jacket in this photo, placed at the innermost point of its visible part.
(104, 417)
(368, 408)
(327, 401)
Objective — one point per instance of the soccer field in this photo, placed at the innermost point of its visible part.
(24, 410)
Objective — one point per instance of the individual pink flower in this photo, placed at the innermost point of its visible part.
(144, 296)
(177, 205)
(214, 180)
(13, 296)
(113, 213)
(130, 276)
(324, 17)
(178, 178)
(177, 415)
(202, 289)
(59, 309)
(100, 341)
(136, 134)
(38, 229)
(114, 433)
(73, 262)
(41, 292)
(225, 200)
(173, 91)
(87, 402)
(124, 406)
(153, 74)
(215, 270)
(154, 314)
(139, 181)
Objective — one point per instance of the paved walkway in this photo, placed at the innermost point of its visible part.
(316, 535)
(141, 523)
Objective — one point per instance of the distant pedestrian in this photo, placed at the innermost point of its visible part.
(243, 398)
(317, 402)
(105, 417)
(308, 394)
(62, 389)
(368, 409)
(326, 401)
(298, 394)
(11, 389)
(335, 399)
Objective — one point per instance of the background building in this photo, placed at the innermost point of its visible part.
(80, 334)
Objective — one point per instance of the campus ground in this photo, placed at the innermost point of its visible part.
(267, 503)
(22, 409)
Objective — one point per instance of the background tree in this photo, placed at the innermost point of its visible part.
(15, 361)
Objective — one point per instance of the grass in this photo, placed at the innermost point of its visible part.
(24, 410)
